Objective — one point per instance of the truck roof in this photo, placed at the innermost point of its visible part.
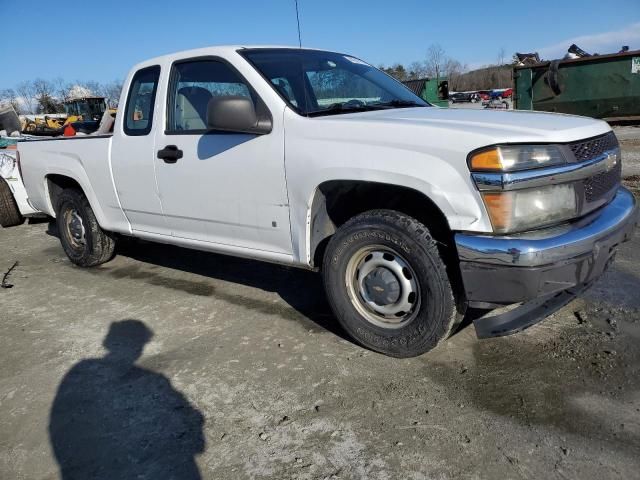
(213, 50)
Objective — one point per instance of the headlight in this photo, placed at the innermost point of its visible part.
(520, 210)
(510, 158)
(7, 165)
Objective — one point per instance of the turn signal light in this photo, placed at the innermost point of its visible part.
(500, 209)
(486, 160)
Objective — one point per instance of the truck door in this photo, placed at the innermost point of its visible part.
(133, 155)
(221, 187)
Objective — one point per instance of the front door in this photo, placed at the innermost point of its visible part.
(219, 187)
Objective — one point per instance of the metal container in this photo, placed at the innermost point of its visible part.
(433, 90)
(603, 86)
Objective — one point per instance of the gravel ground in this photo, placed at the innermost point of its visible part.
(244, 374)
(629, 138)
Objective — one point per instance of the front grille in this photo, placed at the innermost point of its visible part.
(600, 185)
(588, 149)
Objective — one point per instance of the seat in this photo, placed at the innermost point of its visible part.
(191, 108)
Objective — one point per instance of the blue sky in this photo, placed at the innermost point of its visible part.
(90, 40)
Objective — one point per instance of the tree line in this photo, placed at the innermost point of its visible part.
(437, 64)
(40, 96)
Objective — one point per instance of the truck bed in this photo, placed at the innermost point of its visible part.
(85, 158)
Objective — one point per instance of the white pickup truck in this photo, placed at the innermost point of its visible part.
(316, 159)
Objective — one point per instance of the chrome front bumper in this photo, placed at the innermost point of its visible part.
(499, 270)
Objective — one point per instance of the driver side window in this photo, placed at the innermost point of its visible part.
(195, 83)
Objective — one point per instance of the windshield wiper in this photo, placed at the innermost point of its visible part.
(399, 104)
(337, 108)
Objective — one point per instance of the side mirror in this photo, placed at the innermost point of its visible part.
(235, 114)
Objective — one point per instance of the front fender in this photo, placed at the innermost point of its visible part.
(448, 192)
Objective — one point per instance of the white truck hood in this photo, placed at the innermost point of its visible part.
(421, 148)
(485, 126)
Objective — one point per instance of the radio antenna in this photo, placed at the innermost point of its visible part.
(298, 20)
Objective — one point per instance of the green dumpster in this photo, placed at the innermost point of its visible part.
(433, 90)
(603, 86)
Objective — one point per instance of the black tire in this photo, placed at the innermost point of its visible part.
(94, 246)
(10, 215)
(434, 315)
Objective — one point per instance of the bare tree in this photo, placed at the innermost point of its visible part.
(111, 91)
(27, 96)
(48, 96)
(62, 88)
(417, 70)
(453, 69)
(46, 101)
(501, 56)
(435, 60)
(9, 97)
(91, 85)
(42, 87)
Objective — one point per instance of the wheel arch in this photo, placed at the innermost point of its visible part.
(56, 183)
(336, 201)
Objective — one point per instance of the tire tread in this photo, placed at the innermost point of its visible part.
(10, 215)
(103, 243)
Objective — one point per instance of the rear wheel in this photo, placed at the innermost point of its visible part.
(9, 213)
(82, 239)
(387, 284)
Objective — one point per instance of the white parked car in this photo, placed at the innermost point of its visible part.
(318, 160)
(14, 204)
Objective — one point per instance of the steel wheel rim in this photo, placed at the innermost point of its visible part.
(383, 287)
(74, 229)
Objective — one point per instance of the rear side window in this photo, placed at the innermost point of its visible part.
(194, 83)
(142, 97)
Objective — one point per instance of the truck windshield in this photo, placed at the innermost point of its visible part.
(316, 83)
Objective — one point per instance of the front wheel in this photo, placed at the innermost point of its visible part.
(387, 284)
(82, 239)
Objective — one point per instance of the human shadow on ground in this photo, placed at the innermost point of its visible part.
(112, 419)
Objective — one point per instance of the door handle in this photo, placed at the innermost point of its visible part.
(170, 154)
